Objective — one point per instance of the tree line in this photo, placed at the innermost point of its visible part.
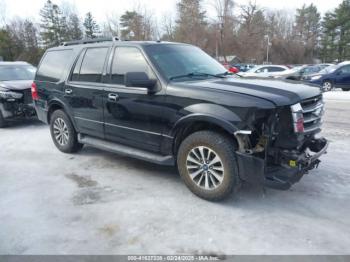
(241, 30)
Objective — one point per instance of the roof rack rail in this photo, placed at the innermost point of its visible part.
(90, 41)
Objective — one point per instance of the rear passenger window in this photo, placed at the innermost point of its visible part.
(92, 65)
(128, 59)
(276, 69)
(53, 65)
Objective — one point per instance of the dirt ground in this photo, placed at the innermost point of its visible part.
(96, 202)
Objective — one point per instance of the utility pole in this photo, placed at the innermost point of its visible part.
(267, 48)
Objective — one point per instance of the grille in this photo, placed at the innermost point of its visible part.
(27, 96)
(313, 110)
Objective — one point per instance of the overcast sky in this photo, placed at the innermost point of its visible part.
(101, 8)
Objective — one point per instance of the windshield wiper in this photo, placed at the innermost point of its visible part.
(229, 73)
(194, 74)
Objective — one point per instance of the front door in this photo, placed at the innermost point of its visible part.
(132, 115)
(84, 91)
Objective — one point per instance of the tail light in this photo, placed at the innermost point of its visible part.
(35, 94)
(298, 118)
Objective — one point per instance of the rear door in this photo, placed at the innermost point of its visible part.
(84, 91)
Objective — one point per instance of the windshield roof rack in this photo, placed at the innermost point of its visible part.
(90, 41)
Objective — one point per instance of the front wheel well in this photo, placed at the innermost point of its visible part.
(186, 130)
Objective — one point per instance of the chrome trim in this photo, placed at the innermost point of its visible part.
(90, 120)
(243, 132)
(124, 127)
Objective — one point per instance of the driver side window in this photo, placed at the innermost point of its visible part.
(128, 59)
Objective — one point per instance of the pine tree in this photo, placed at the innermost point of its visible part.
(53, 25)
(191, 24)
(74, 31)
(131, 26)
(91, 27)
(336, 34)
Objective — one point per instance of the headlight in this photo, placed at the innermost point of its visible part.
(316, 77)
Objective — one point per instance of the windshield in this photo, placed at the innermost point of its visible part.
(9, 73)
(183, 62)
(329, 69)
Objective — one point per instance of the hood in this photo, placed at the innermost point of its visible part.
(16, 85)
(280, 93)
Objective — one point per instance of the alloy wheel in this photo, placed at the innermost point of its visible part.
(205, 167)
(60, 131)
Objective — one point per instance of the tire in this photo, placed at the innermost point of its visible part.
(345, 89)
(327, 86)
(2, 121)
(214, 182)
(63, 133)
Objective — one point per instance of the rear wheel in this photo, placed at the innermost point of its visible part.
(207, 164)
(327, 86)
(345, 89)
(63, 133)
(2, 121)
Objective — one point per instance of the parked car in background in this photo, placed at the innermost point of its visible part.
(335, 76)
(230, 68)
(172, 104)
(16, 79)
(265, 71)
(299, 72)
(243, 67)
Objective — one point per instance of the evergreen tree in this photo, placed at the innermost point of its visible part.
(336, 34)
(307, 29)
(53, 25)
(131, 26)
(74, 31)
(91, 27)
(191, 23)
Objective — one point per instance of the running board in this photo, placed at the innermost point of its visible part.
(126, 150)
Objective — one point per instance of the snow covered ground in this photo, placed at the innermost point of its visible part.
(96, 202)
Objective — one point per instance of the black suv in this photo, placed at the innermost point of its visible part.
(172, 104)
(16, 79)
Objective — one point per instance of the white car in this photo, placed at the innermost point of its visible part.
(264, 71)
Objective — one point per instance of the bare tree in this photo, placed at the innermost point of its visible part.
(2, 12)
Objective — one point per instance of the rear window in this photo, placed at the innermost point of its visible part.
(91, 66)
(53, 65)
(8, 73)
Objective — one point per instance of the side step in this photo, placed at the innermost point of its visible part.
(126, 150)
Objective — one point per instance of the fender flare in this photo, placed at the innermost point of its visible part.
(59, 103)
(199, 117)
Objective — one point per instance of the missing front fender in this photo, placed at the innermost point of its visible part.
(251, 169)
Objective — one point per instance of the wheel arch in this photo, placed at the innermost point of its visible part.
(55, 105)
(199, 122)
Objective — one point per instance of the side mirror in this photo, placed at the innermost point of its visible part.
(339, 72)
(141, 80)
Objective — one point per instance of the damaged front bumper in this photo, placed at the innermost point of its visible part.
(16, 107)
(289, 167)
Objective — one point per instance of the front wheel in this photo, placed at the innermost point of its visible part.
(63, 133)
(345, 89)
(207, 163)
(327, 86)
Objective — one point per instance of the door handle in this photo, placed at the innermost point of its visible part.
(68, 91)
(113, 97)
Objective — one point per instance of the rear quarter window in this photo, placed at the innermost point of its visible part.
(53, 65)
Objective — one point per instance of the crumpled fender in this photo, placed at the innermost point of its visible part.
(210, 113)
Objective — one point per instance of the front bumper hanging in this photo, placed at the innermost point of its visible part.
(291, 168)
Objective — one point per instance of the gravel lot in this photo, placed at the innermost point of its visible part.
(99, 203)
